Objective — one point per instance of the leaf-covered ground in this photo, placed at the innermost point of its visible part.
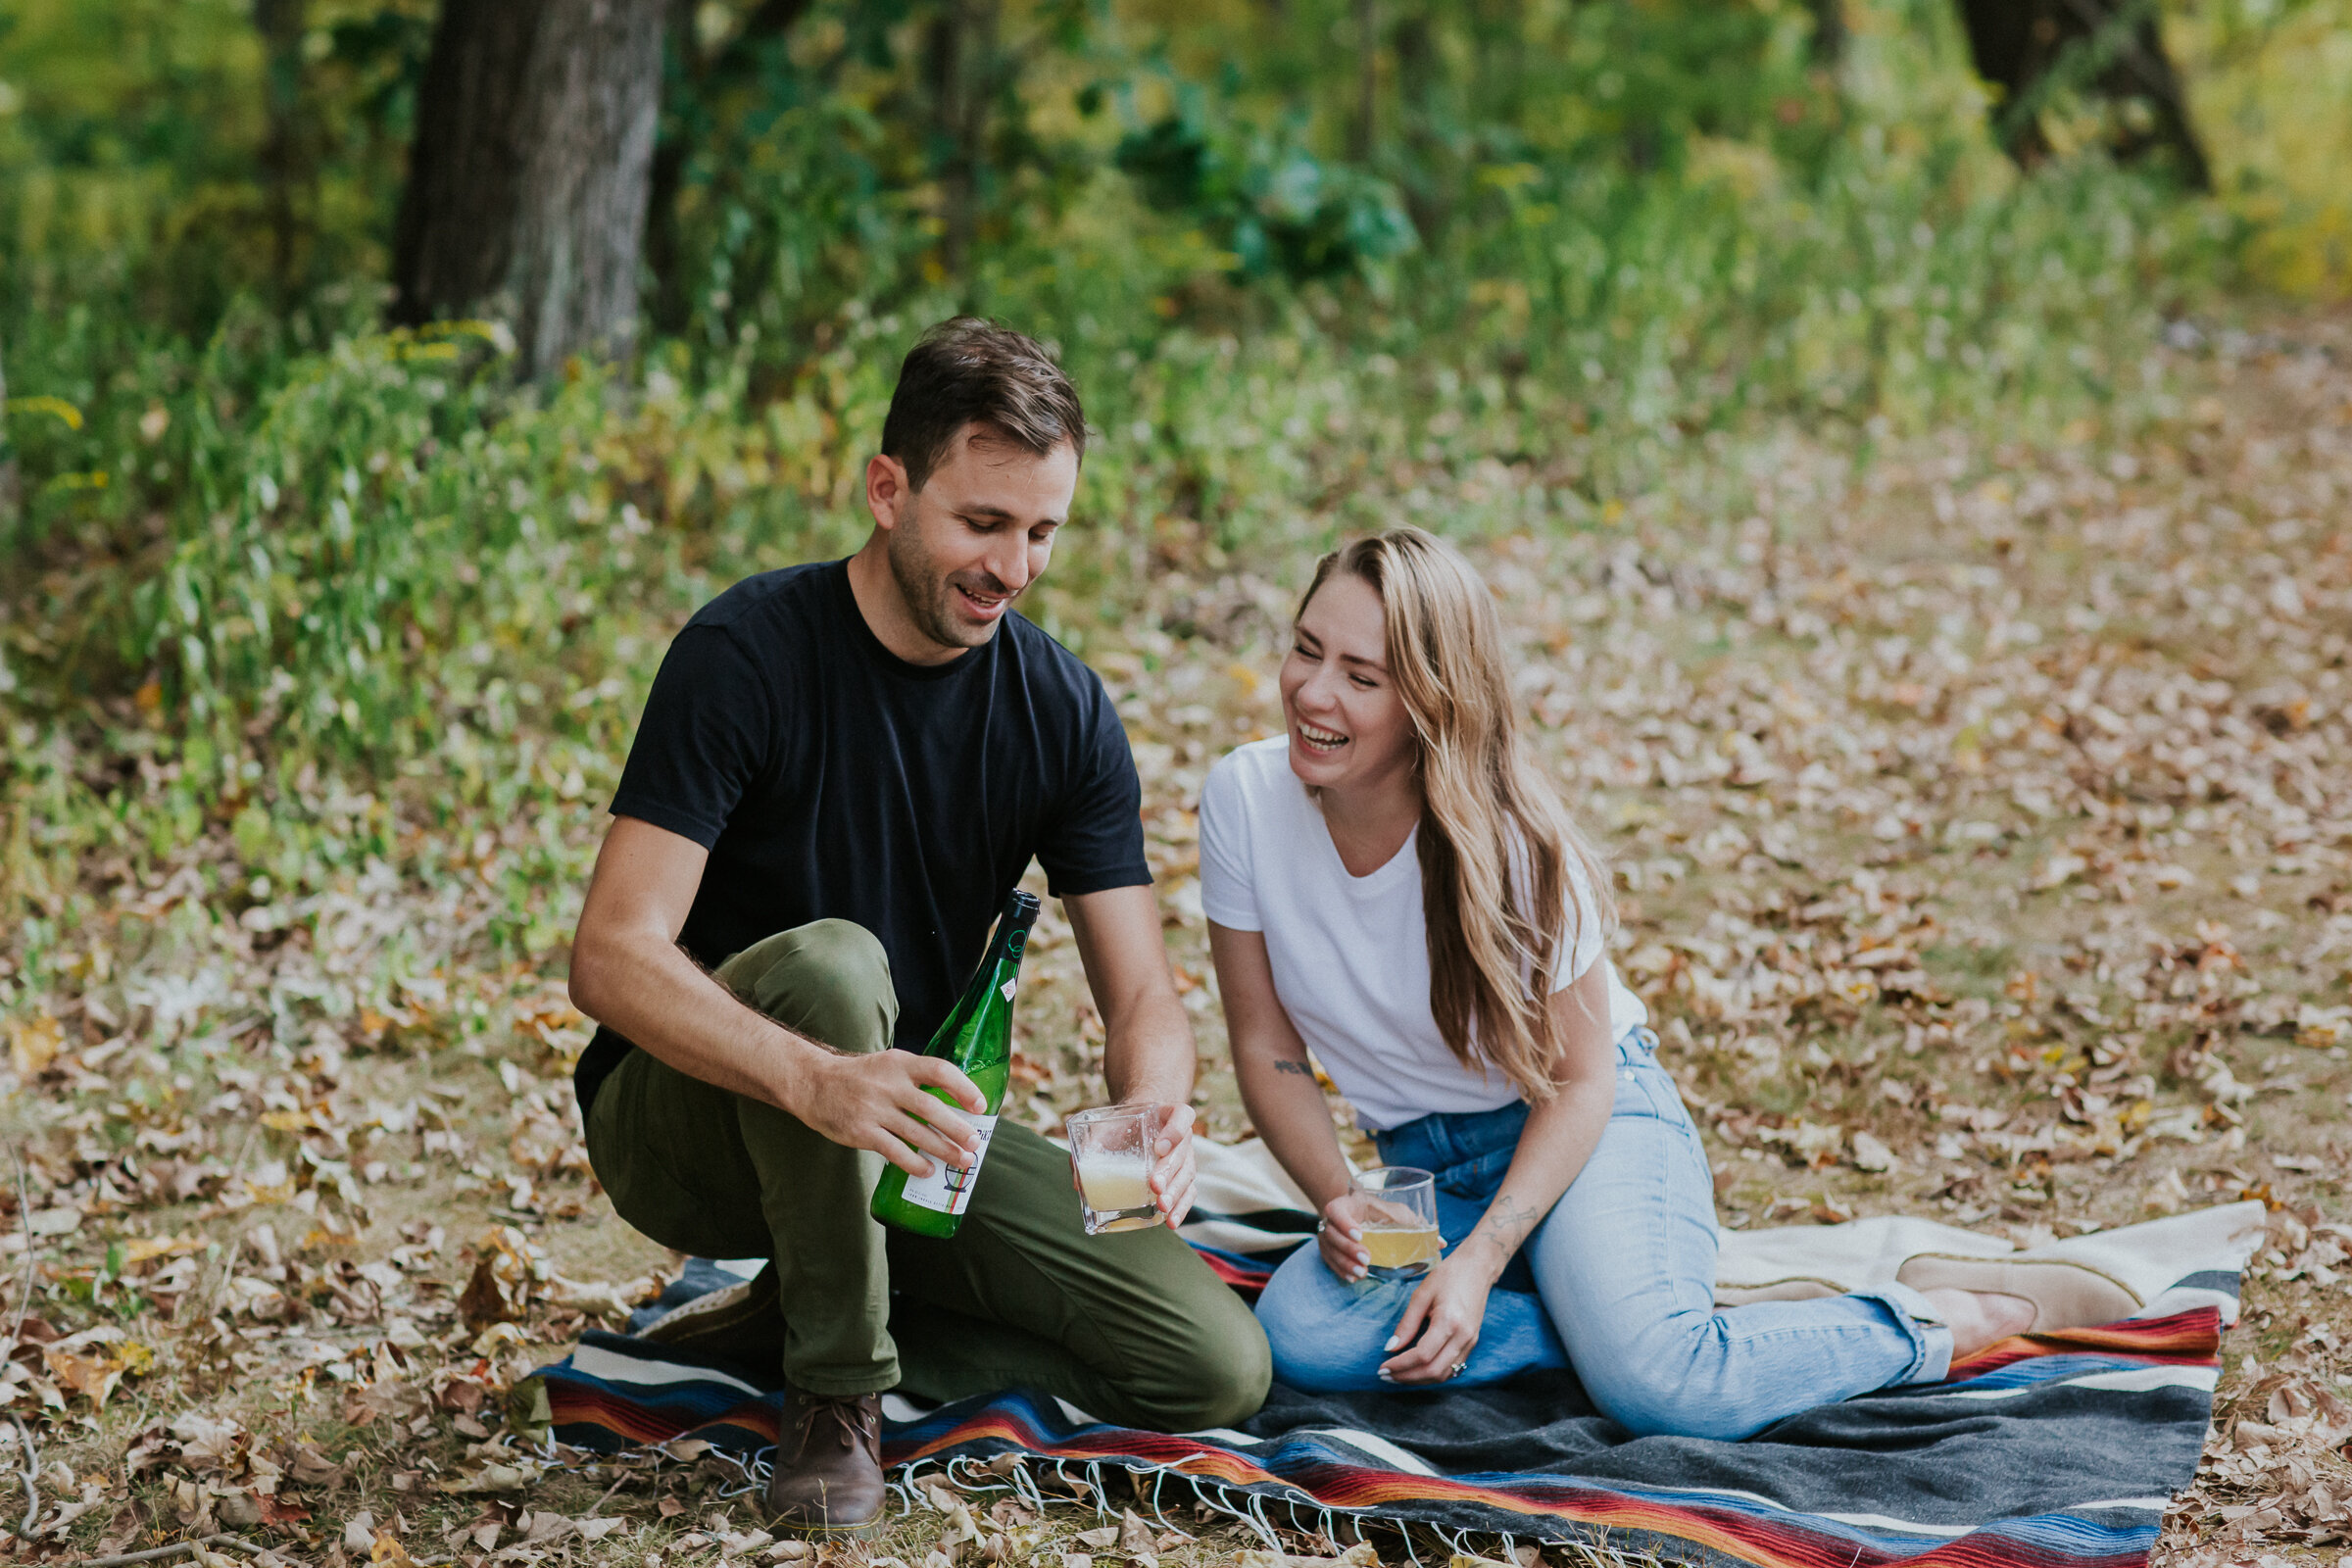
(1983, 816)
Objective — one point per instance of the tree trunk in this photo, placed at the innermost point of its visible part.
(1432, 177)
(280, 24)
(1498, 29)
(1364, 134)
(12, 493)
(1827, 45)
(528, 180)
(959, 68)
(2018, 44)
(670, 306)
(698, 82)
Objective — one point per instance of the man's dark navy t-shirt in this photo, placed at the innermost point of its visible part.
(831, 779)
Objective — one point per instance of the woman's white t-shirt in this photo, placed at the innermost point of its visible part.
(1351, 954)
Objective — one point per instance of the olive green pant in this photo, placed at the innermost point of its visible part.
(1132, 1328)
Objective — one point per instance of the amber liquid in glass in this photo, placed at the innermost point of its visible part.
(1396, 1248)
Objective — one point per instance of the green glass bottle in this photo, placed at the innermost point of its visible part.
(977, 1037)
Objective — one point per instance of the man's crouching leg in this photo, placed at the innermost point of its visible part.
(1133, 1327)
(720, 1175)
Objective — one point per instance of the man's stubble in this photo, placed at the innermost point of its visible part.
(930, 594)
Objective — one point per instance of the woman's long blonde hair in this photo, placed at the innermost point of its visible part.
(1494, 842)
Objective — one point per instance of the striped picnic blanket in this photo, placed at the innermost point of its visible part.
(2058, 1449)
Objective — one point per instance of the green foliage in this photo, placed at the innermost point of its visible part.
(133, 134)
(292, 582)
(1265, 199)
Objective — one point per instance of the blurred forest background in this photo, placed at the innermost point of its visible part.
(253, 538)
(1908, 438)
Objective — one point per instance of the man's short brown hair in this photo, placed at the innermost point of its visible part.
(969, 371)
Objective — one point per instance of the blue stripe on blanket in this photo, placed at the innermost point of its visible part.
(2056, 1452)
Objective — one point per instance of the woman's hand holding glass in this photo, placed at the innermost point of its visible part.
(1441, 1323)
(1341, 1235)
(1384, 1224)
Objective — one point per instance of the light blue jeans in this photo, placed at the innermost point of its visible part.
(1618, 1282)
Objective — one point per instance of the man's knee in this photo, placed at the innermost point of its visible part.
(828, 980)
(1235, 1387)
(1228, 1384)
(1222, 1370)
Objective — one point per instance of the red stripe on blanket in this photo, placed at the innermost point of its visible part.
(2182, 1338)
(1244, 1281)
(570, 1405)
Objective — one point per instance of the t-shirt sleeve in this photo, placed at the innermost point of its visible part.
(1582, 925)
(1228, 892)
(1584, 920)
(704, 737)
(1095, 841)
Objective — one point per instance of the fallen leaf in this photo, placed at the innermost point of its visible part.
(32, 1044)
(485, 1301)
(92, 1377)
(493, 1477)
(1872, 1155)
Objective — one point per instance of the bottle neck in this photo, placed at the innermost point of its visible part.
(980, 1029)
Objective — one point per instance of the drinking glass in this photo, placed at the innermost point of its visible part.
(1110, 1149)
(1399, 1221)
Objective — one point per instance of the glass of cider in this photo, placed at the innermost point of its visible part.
(1398, 1216)
(1111, 1152)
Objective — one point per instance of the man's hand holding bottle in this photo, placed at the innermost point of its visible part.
(884, 1102)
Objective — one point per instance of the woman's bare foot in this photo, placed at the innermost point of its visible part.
(1978, 1318)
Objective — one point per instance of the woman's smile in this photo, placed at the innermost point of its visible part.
(1319, 739)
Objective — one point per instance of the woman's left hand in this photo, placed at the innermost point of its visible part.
(1441, 1323)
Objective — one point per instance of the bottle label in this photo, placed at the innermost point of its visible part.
(948, 1189)
(1006, 988)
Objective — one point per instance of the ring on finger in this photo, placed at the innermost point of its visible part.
(1455, 1370)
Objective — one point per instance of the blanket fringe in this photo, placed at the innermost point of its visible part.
(1240, 1504)
(1249, 1508)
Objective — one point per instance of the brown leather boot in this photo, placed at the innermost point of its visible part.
(827, 1475)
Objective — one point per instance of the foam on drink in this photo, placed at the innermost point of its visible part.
(1114, 1179)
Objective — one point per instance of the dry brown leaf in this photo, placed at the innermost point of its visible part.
(485, 1299)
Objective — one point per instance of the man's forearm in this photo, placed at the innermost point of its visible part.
(668, 1006)
(1152, 1056)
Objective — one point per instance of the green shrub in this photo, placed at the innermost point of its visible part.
(286, 563)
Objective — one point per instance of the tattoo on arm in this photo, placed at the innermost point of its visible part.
(1507, 1223)
(1284, 1065)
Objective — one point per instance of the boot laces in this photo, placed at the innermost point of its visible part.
(844, 1413)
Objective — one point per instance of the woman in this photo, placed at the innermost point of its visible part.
(1392, 885)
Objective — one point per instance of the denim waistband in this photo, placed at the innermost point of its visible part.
(1445, 1138)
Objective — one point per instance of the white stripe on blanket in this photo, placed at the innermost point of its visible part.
(2138, 1380)
(599, 1362)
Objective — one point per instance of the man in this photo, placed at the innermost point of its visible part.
(842, 771)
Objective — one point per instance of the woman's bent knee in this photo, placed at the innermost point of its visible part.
(1326, 1337)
